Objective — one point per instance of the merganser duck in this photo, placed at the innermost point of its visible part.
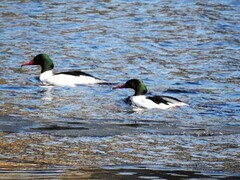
(71, 78)
(140, 100)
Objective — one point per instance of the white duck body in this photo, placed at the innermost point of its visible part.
(142, 101)
(62, 79)
(71, 78)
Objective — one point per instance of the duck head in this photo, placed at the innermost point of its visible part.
(42, 60)
(136, 84)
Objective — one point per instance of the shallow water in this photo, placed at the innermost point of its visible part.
(188, 50)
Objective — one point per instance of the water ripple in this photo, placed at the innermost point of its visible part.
(186, 49)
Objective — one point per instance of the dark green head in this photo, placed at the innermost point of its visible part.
(136, 84)
(42, 60)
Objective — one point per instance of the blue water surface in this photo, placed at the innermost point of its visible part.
(188, 49)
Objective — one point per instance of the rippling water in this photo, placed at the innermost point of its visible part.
(188, 50)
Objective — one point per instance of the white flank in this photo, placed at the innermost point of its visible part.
(67, 80)
(143, 102)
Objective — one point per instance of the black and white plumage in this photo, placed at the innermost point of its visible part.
(139, 99)
(70, 78)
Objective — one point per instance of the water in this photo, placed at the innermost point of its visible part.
(188, 50)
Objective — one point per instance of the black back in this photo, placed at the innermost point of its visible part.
(163, 99)
(76, 73)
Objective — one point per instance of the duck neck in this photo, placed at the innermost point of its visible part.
(47, 65)
(140, 91)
